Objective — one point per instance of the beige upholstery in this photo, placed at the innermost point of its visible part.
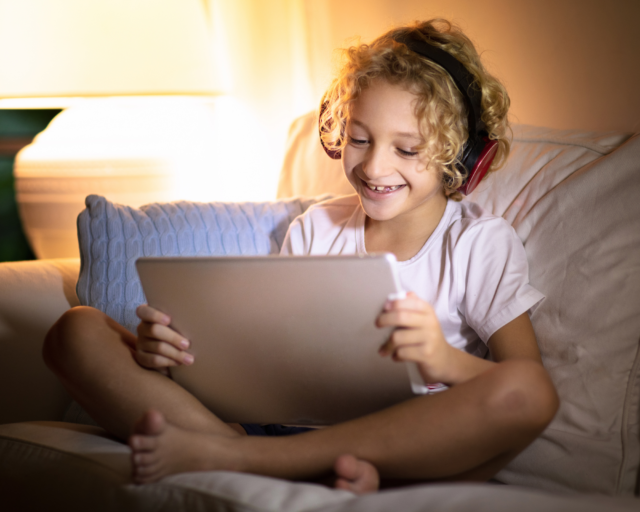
(307, 170)
(60, 466)
(33, 295)
(574, 203)
(574, 200)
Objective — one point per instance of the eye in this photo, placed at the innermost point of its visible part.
(357, 142)
(407, 153)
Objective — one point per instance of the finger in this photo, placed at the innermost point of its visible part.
(410, 353)
(402, 318)
(148, 314)
(162, 333)
(154, 361)
(412, 302)
(403, 337)
(164, 349)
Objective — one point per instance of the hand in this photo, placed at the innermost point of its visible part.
(417, 337)
(158, 346)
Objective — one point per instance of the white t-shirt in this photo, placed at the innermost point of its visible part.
(473, 269)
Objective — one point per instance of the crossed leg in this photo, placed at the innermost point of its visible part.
(468, 432)
(92, 356)
(458, 435)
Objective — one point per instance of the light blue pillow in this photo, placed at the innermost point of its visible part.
(112, 237)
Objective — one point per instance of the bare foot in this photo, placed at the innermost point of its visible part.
(356, 475)
(160, 449)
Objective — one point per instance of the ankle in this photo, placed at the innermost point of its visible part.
(241, 449)
(221, 452)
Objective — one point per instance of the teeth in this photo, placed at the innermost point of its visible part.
(383, 189)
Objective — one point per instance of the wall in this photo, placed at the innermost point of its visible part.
(566, 63)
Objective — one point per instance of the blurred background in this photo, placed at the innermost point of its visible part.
(192, 99)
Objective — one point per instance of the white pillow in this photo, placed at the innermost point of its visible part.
(574, 199)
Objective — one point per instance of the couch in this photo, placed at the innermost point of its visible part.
(572, 198)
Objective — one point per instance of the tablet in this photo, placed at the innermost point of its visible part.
(281, 339)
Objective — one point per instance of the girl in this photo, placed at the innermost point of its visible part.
(408, 133)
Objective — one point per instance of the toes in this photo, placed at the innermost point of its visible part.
(345, 485)
(156, 422)
(151, 423)
(141, 460)
(347, 467)
(146, 467)
(140, 443)
(147, 430)
(355, 475)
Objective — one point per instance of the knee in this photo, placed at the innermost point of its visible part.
(524, 393)
(69, 335)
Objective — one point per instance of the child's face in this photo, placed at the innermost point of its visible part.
(380, 159)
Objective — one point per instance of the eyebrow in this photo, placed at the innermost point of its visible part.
(412, 135)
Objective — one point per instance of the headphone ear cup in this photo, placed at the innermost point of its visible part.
(480, 166)
(336, 154)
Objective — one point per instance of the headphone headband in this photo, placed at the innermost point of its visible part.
(461, 77)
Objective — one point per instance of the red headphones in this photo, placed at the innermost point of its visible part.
(478, 151)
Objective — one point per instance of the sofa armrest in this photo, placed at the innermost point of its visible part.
(33, 295)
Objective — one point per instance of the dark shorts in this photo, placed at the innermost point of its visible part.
(253, 429)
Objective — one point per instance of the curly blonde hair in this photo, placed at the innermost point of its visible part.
(440, 107)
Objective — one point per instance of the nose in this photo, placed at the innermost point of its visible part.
(376, 163)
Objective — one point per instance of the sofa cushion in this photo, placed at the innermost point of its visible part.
(58, 466)
(306, 167)
(577, 215)
(77, 467)
(112, 237)
(573, 198)
(33, 295)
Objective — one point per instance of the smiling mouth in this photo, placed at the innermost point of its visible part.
(383, 189)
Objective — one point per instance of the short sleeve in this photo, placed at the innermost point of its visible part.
(293, 244)
(494, 285)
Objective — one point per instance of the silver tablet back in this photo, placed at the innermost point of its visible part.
(281, 339)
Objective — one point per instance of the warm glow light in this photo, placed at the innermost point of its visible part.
(136, 151)
(38, 103)
(137, 137)
(265, 62)
(85, 48)
(209, 150)
(233, 161)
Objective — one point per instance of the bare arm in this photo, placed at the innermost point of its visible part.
(515, 340)
(418, 338)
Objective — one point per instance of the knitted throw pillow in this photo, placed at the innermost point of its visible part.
(112, 237)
